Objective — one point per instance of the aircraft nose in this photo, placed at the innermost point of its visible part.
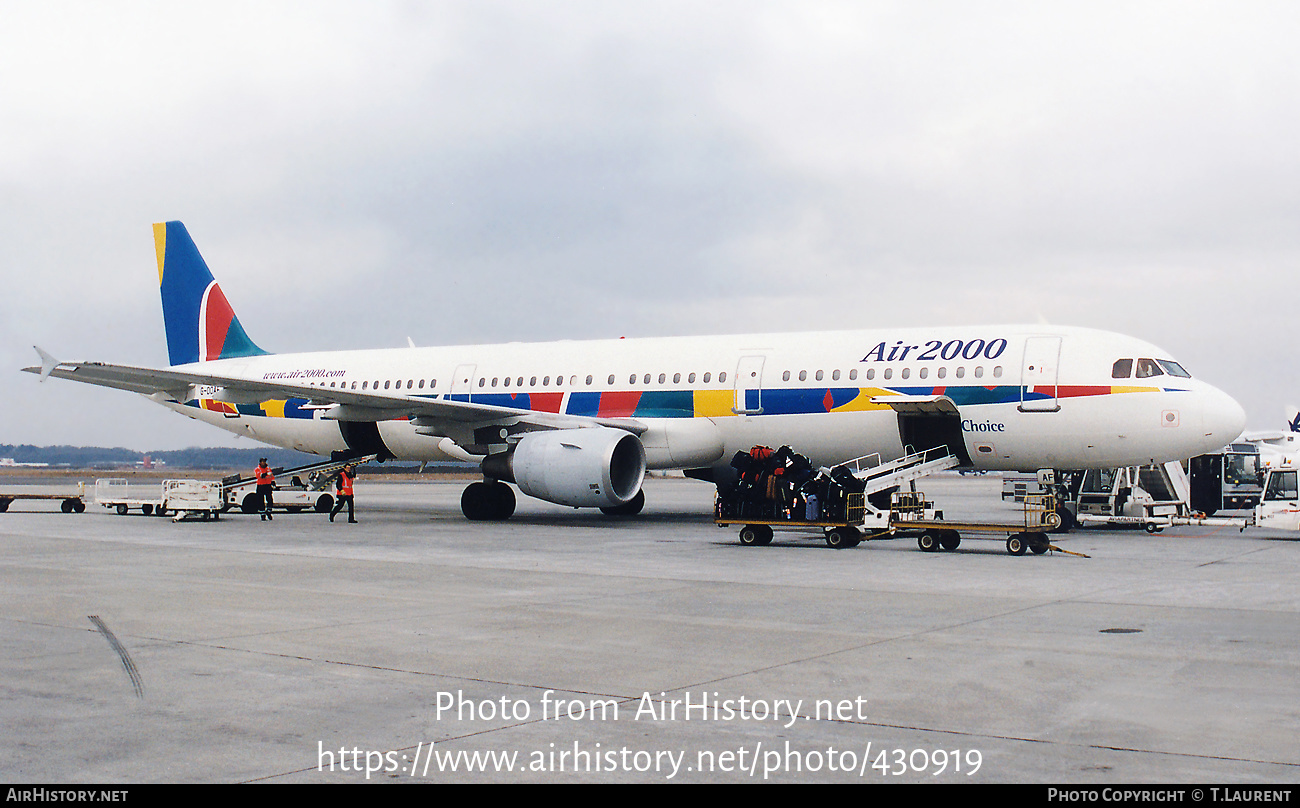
(1224, 418)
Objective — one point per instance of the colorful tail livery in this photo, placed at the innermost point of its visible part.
(201, 325)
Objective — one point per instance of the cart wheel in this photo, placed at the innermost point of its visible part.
(79, 506)
(1039, 543)
(1016, 544)
(1152, 528)
(928, 541)
(4, 505)
(146, 509)
(841, 538)
(121, 510)
(67, 506)
(160, 511)
(323, 503)
(251, 503)
(754, 536)
(950, 539)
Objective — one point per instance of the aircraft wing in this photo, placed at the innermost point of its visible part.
(335, 403)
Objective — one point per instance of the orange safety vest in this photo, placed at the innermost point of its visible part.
(264, 476)
(345, 484)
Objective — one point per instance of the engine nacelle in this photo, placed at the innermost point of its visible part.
(591, 467)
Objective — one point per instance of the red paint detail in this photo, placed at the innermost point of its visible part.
(618, 404)
(1073, 391)
(938, 391)
(545, 402)
(829, 401)
(218, 317)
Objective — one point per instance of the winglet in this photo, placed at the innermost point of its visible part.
(48, 363)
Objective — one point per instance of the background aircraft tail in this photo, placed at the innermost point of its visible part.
(200, 323)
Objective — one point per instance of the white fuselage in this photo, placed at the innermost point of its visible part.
(1026, 397)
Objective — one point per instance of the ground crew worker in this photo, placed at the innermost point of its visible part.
(343, 485)
(265, 485)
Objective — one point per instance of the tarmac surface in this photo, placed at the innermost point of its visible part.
(569, 647)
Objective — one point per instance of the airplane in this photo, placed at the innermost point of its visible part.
(1279, 448)
(578, 423)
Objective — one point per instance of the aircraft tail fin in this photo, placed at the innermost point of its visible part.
(200, 323)
(1293, 417)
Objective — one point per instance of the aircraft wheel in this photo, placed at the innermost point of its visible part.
(324, 503)
(1016, 544)
(1067, 523)
(630, 508)
(928, 541)
(487, 502)
(950, 539)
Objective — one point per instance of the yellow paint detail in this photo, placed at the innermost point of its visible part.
(274, 409)
(160, 246)
(1116, 389)
(714, 403)
(862, 403)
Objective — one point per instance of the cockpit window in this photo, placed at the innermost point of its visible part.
(1148, 368)
(1122, 369)
(1173, 368)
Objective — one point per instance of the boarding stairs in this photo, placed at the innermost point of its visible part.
(883, 475)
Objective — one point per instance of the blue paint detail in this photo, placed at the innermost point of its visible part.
(584, 403)
(185, 278)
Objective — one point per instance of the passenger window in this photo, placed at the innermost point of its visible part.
(907, 373)
(871, 373)
(889, 373)
(722, 377)
(690, 379)
(507, 381)
(707, 376)
(803, 375)
(979, 372)
(677, 378)
(819, 375)
(611, 380)
(663, 378)
(588, 381)
(943, 373)
(421, 387)
(923, 372)
(785, 377)
(1146, 368)
(997, 372)
(961, 373)
(835, 376)
(1122, 369)
(853, 374)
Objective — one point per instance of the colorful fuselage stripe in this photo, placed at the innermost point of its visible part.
(713, 403)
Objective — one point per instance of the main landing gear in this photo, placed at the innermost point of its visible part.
(491, 501)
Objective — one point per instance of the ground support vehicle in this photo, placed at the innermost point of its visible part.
(844, 523)
(309, 487)
(911, 513)
(68, 503)
(179, 497)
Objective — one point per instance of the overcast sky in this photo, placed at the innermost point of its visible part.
(357, 173)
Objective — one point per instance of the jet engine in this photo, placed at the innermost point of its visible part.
(589, 467)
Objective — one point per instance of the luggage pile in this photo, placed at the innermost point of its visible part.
(782, 486)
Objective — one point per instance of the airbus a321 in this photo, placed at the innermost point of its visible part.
(579, 423)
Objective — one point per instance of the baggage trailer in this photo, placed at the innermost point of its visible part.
(839, 533)
(68, 504)
(180, 497)
(909, 513)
